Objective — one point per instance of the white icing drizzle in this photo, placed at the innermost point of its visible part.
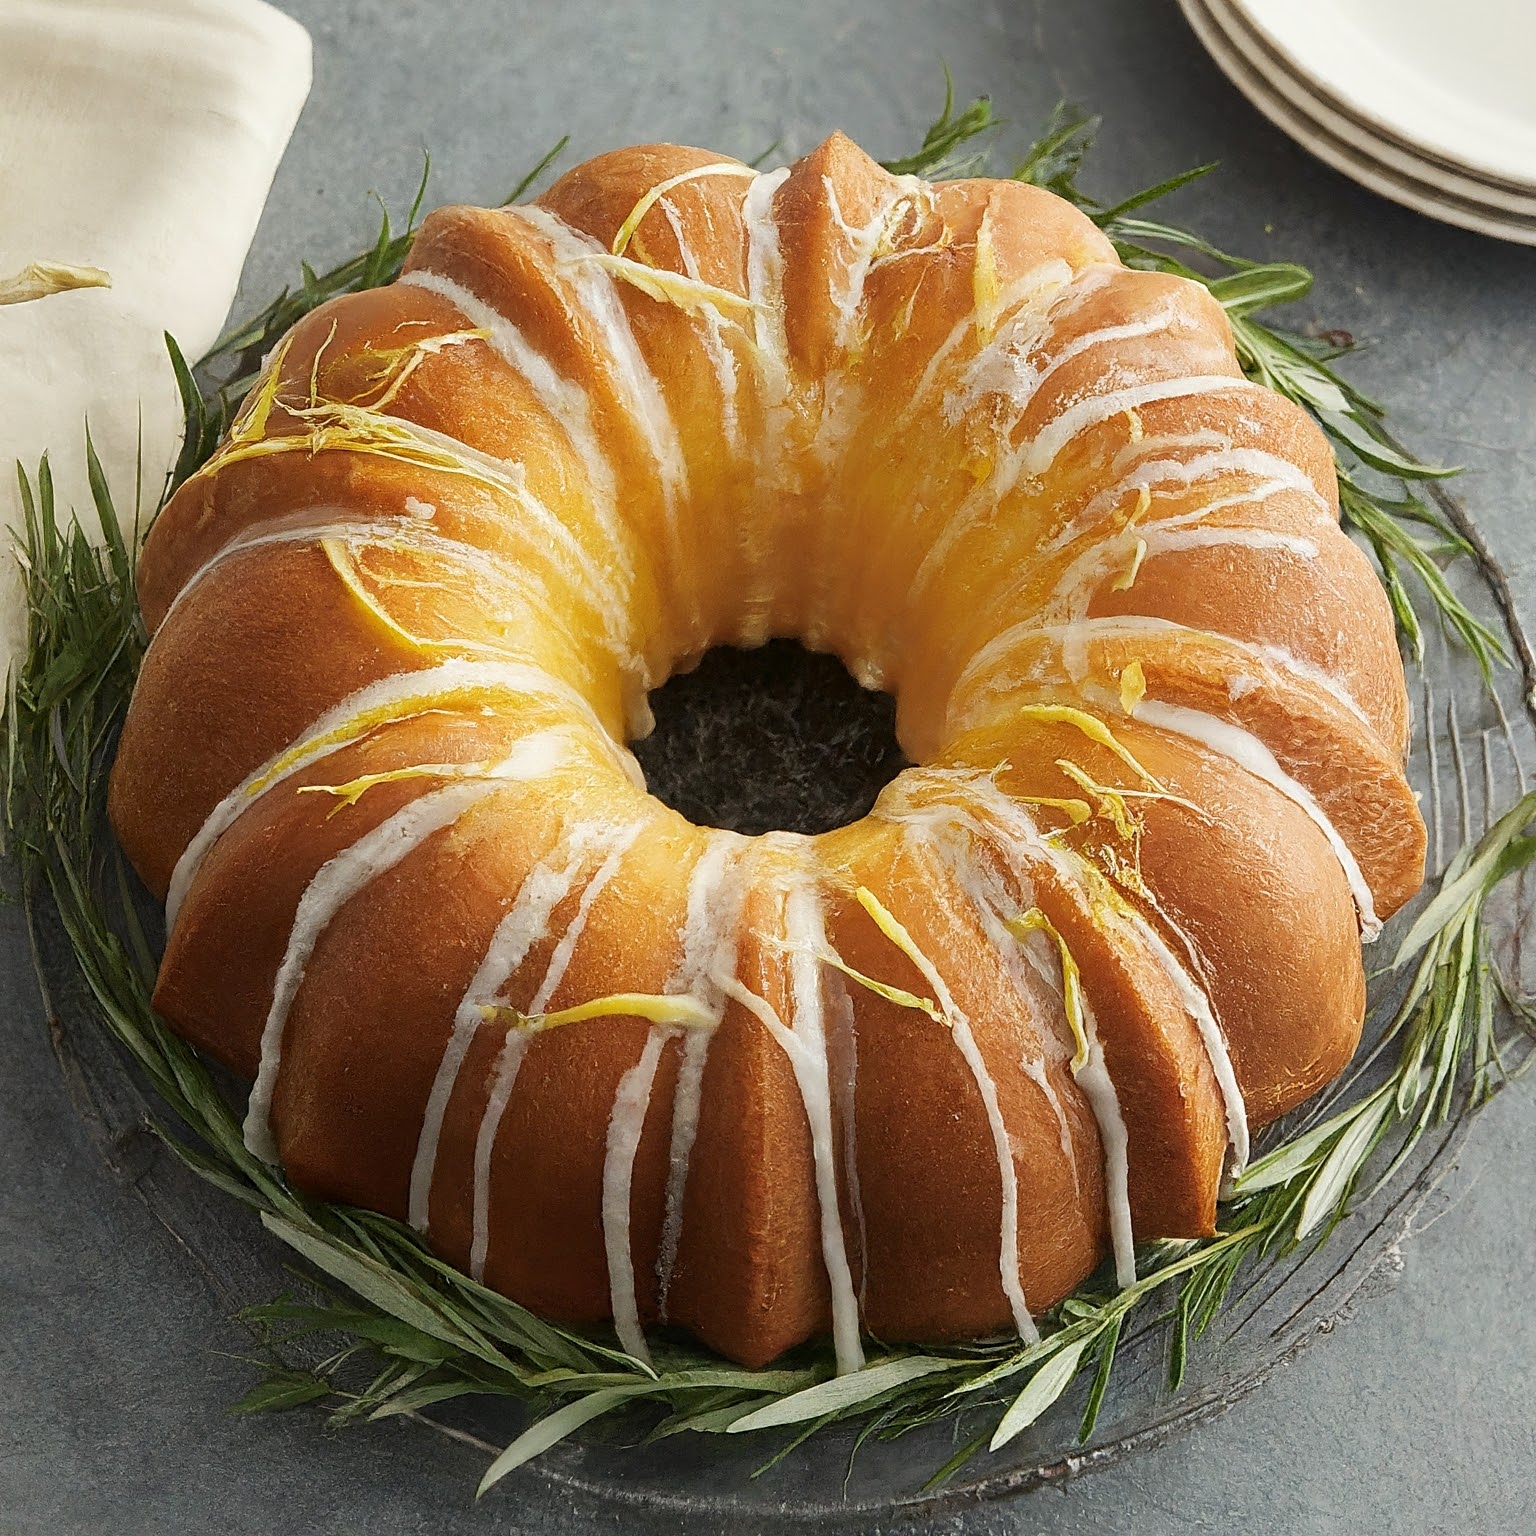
(862, 240)
(1003, 368)
(1162, 540)
(1040, 452)
(1075, 587)
(1099, 1089)
(987, 678)
(805, 929)
(1034, 1069)
(1014, 821)
(987, 901)
(1273, 473)
(632, 1102)
(491, 568)
(810, 1077)
(721, 358)
(716, 893)
(1092, 1077)
(1041, 301)
(310, 524)
(1007, 820)
(938, 822)
(1034, 456)
(1197, 1005)
(1028, 298)
(523, 927)
(604, 584)
(392, 698)
(970, 1051)
(566, 401)
(590, 289)
(804, 1043)
(770, 358)
(625, 1126)
(524, 924)
(1232, 741)
(765, 288)
(838, 1003)
(686, 1103)
(1080, 581)
(638, 388)
(509, 1061)
(511, 478)
(560, 960)
(843, 389)
(346, 874)
(839, 397)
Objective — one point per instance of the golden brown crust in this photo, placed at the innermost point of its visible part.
(928, 1168)
(938, 430)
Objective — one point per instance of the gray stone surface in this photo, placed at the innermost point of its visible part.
(116, 1361)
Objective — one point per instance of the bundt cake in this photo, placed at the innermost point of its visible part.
(915, 1077)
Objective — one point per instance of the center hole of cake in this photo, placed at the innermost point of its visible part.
(775, 739)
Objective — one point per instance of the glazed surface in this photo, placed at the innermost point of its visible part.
(406, 618)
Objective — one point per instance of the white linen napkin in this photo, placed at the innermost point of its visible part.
(139, 137)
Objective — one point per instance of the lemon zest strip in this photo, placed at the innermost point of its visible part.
(985, 289)
(1127, 578)
(1035, 921)
(1133, 686)
(43, 279)
(891, 926)
(251, 424)
(650, 199)
(677, 1008)
(1076, 811)
(898, 995)
(344, 562)
(1086, 781)
(360, 725)
(1111, 800)
(687, 293)
(413, 356)
(1091, 727)
(339, 426)
(348, 794)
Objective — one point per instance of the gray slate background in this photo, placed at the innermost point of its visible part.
(115, 1363)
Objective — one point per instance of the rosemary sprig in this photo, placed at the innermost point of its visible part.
(936, 158)
(434, 1334)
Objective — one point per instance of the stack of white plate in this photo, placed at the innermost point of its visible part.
(1429, 102)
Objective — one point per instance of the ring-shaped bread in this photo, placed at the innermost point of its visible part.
(917, 1075)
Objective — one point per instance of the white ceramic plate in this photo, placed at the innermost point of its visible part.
(1411, 191)
(1456, 78)
(1355, 131)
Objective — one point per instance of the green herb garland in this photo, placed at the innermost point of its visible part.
(433, 1332)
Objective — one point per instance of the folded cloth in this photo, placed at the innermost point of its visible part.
(139, 137)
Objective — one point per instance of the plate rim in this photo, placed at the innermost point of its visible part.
(1349, 128)
(1419, 197)
(1324, 57)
